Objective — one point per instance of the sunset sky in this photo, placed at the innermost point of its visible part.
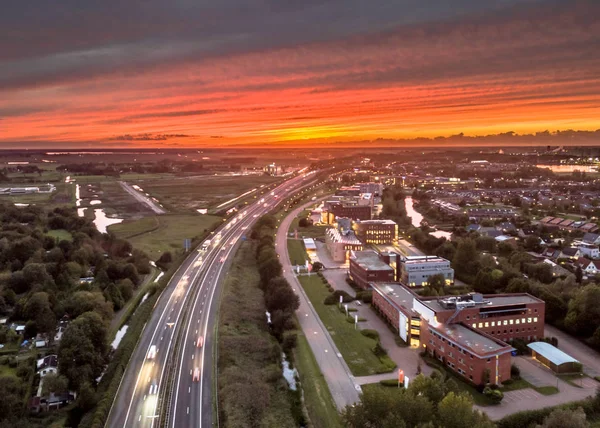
(164, 73)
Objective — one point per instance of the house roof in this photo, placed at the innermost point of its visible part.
(551, 353)
(570, 251)
(590, 237)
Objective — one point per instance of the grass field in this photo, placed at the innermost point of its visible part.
(60, 234)
(157, 234)
(355, 348)
(198, 192)
(296, 251)
(5, 370)
(547, 390)
(310, 231)
(317, 397)
(250, 381)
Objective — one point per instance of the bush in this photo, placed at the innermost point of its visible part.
(373, 334)
(508, 382)
(515, 372)
(389, 382)
(289, 342)
(365, 296)
(379, 350)
(493, 394)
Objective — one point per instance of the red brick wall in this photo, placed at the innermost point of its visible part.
(527, 331)
(363, 277)
(389, 312)
(465, 363)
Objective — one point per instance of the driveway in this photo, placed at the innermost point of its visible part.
(533, 373)
(580, 351)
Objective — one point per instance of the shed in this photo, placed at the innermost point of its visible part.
(309, 244)
(554, 358)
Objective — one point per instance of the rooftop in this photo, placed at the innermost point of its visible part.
(423, 259)
(489, 300)
(470, 339)
(553, 354)
(397, 294)
(349, 238)
(376, 222)
(369, 260)
(309, 244)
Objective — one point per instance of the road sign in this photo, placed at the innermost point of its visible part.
(187, 244)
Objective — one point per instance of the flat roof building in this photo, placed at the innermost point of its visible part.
(376, 231)
(467, 333)
(554, 358)
(415, 271)
(367, 266)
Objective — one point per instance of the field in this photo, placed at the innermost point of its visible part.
(356, 348)
(157, 234)
(296, 251)
(199, 192)
(60, 235)
(250, 381)
(317, 398)
(310, 231)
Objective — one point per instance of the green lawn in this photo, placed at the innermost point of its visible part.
(310, 231)
(5, 370)
(204, 191)
(572, 379)
(515, 385)
(157, 234)
(296, 251)
(317, 397)
(60, 234)
(547, 390)
(355, 348)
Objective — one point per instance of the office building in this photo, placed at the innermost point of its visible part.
(416, 270)
(376, 231)
(367, 266)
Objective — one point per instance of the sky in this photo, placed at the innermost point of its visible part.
(158, 73)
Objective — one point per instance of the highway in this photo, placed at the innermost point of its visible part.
(143, 198)
(179, 377)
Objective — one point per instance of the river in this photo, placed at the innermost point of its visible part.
(570, 168)
(416, 219)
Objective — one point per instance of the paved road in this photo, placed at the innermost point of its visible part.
(343, 386)
(194, 286)
(141, 197)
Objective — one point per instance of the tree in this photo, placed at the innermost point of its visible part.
(437, 281)
(39, 310)
(560, 418)
(456, 411)
(317, 266)
(83, 349)
(532, 243)
(584, 311)
(578, 274)
(282, 298)
(54, 383)
(466, 259)
(165, 260)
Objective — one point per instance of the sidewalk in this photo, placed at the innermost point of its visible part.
(343, 386)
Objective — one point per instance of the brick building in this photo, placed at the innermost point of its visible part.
(367, 266)
(467, 333)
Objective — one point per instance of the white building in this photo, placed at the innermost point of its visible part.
(416, 270)
(374, 188)
(589, 250)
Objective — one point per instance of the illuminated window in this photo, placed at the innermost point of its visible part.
(534, 319)
(487, 324)
(528, 320)
(480, 325)
(493, 323)
(516, 322)
(510, 322)
(522, 320)
(474, 325)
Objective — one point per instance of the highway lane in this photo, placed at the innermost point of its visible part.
(137, 398)
(192, 402)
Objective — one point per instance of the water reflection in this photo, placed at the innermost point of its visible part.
(416, 219)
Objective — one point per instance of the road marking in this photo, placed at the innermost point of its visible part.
(161, 338)
(203, 303)
(144, 397)
(196, 331)
(189, 390)
(192, 356)
(188, 410)
(140, 418)
(190, 372)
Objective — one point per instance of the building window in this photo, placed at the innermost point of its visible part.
(505, 322)
(522, 320)
(468, 317)
(534, 319)
(487, 324)
(493, 323)
(480, 325)
(528, 320)
(474, 325)
(516, 322)
(510, 322)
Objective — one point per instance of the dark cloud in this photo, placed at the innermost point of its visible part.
(45, 42)
(147, 137)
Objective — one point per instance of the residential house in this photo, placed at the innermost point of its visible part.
(589, 250)
(591, 238)
(570, 253)
(551, 253)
